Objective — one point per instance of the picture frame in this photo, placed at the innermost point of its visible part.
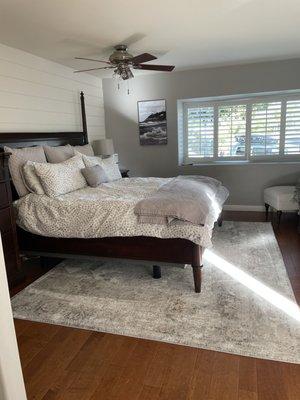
(152, 120)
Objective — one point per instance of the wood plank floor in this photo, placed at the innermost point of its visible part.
(62, 363)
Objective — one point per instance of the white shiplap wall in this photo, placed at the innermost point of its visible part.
(40, 95)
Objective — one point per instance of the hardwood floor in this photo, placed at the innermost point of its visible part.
(62, 363)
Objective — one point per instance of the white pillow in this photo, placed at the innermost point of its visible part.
(16, 161)
(61, 178)
(31, 180)
(109, 165)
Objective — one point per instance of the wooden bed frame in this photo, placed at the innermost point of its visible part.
(133, 248)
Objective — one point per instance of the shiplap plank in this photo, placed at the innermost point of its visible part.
(20, 57)
(44, 79)
(17, 101)
(40, 95)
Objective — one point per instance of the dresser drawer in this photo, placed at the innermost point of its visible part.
(3, 195)
(11, 266)
(8, 241)
(5, 220)
(10, 256)
(3, 174)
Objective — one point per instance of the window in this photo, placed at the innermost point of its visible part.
(201, 132)
(292, 128)
(250, 129)
(231, 130)
(265, 128)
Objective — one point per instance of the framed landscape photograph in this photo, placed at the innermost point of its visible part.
(152, 116)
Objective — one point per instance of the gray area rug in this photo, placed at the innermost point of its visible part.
(246, 307)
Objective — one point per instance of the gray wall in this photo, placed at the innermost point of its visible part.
(245, 182)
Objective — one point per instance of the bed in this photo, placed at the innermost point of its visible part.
(169, 248)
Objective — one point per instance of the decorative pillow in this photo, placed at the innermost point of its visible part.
(94, 175)
(90, 161)
(61, 178)
(111, 168)
(16, 161)
(30, 179)
(87, 150)
(57, 154)
(108, 164)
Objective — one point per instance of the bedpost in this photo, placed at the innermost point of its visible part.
(197, 266)
(83, 116)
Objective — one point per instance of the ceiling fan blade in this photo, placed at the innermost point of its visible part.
(92, 59)
(92, 69)
(141, 58)
(155, 67)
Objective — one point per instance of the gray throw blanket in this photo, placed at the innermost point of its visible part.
(186, 198)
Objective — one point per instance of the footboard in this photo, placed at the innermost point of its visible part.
(134, 248)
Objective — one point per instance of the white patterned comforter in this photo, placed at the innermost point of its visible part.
(105, 211)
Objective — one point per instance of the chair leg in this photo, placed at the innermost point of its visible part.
(279, 214)
(267, 211)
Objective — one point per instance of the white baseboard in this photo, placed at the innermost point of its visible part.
(241, 207)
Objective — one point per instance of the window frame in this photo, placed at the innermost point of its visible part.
(248, 100)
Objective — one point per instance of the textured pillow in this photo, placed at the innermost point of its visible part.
(108, 164)
(30, 179)
(91, 161)
(61, 178)
(87, 150)
(94, 175)
(57, 154)
(16, 161)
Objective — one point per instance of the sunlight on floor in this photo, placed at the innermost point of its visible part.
(282, 303)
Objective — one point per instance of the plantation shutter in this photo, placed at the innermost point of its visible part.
(292, 128)
(265, 128)
(255, 128)
(231, 130)
(200, 132)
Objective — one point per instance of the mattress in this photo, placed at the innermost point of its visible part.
(106, 211)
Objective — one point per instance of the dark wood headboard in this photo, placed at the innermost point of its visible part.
(27, 139)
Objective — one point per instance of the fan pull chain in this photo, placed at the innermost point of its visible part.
(128, 89)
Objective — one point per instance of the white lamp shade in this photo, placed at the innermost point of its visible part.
(104, 147)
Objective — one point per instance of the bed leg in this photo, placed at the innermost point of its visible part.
(197, 278)
(197, 266)
(220, 220)
(156, 272)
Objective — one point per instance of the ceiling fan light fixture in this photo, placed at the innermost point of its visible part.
(123, 72)
(129, 73)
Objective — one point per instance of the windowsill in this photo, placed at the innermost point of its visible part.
(239, 162)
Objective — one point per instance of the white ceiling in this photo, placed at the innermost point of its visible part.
(186, 33)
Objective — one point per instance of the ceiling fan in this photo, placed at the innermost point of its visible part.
(122, 62)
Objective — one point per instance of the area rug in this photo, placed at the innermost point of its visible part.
(246, 306)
